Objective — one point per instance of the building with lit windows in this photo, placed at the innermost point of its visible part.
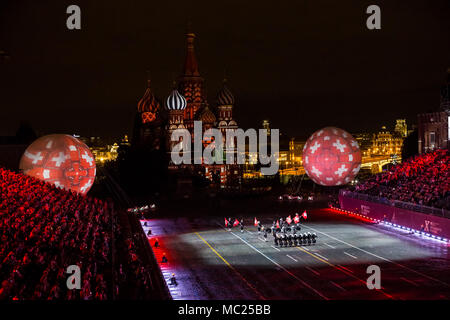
(401, 128)
(296, 152)
(365, 142)
(386, 143)
(104, 152)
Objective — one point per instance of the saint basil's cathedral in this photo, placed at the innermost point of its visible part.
(187, 103)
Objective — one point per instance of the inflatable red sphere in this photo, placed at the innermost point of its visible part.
(62, 160)
(331, 157)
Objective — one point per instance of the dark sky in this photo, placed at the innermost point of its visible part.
(302, 64)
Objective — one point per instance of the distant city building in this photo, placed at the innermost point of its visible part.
(365, 141)
(266, 125)
(106, 153)
(124, 141)
(386, 143)
(102, 151)
(296, 152)
(401, 128)
(434, 127)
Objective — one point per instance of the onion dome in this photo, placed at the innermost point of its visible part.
(207, 116)
(148, 102)
(175, 101)
(225, 97)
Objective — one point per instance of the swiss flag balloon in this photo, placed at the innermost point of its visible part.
(331, 157)
(61, 160)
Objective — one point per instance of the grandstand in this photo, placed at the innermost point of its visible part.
(44, 229)
(422, 180)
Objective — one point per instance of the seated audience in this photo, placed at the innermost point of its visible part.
(423, 180)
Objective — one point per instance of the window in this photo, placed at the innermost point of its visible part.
(432, 140)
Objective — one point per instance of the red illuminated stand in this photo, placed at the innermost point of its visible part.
(389, 224)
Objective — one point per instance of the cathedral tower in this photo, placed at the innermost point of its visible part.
(148, 122)
(175, 104)
(225, 102)
(190, 83)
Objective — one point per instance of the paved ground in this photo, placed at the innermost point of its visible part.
(213, 263)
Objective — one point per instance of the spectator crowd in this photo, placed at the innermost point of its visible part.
(44, 230)
(423, 179)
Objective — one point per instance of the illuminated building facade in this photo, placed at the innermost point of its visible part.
(365, 141)
(386, 143)
(185, 104)
(295, 152)
(401, 128)
(104, 152)
(434, 127)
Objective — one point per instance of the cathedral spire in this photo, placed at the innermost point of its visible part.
(149, 81)
(190, 64)
(190, 83)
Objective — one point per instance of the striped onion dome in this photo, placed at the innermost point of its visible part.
(225, 97)
(148, 102)
(207, 116)
(175, 101)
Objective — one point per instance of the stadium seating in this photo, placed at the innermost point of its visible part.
(44, 229)
(423, 180)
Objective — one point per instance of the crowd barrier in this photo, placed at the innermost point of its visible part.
(435, 223)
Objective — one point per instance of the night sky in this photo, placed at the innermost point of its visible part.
(302, 64)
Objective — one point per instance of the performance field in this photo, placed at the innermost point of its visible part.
(211, 262)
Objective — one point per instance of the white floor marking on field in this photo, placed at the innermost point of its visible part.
(409, 281)
(329, 245)
(305, 248)
(275, 248)
(379, 257)
(350, 255)
(337, 286)
(281, 267)
(321, 256)
(313, 271)
(292, 258)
